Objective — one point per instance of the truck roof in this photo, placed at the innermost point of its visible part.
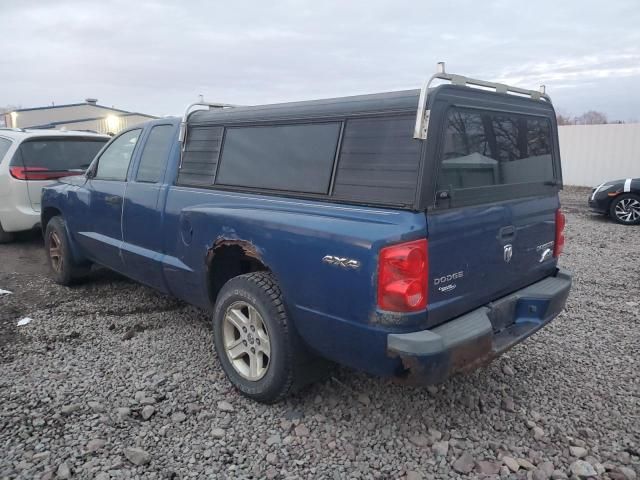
(387, 102)
(400, 101)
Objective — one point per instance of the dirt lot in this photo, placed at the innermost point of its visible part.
(112, 380)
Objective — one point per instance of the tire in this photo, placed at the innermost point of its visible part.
(64, 270)
(5, 237)
(625, 209)
(266, 378)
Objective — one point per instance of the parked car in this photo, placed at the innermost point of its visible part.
(620, 199)
(32, 159)
(412, 234)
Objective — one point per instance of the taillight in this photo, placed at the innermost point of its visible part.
(38, 173)
(561, 221)
(403, 271)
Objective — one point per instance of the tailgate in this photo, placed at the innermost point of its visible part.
(479, 254)
(493, 230)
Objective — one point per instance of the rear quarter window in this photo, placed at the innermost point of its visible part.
(5, 145)
(379, 161)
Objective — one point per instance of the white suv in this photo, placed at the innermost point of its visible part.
(32, 159)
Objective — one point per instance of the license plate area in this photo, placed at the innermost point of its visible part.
(502, 313)
(505, 312)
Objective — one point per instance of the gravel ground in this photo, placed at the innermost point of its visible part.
(112, 380)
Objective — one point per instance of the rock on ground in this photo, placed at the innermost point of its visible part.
(67, 378)
(137, 456)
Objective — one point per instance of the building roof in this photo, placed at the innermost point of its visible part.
(20, 133)
(79, 105)
(91, 119)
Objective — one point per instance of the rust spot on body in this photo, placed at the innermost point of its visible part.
(469, 356)
(432, 369)
(247, 248)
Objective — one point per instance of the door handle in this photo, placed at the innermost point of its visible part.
(113, 199)
(507, 233)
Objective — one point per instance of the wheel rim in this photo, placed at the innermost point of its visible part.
(628, 210)
(55, 252)
(246, 341)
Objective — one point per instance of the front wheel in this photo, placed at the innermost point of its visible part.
(64, 270)
(259, 350)
(625, 209)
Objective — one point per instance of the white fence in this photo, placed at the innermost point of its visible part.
(592, 154)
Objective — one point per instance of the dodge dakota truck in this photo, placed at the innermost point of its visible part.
(412, 234)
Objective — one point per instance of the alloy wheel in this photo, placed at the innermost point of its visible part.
(55, 252)
(628, 210)
(246, 341)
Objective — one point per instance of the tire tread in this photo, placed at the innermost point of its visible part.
(300, 362)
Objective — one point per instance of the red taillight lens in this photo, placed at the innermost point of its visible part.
(402, 277)
(38, 173)
(561, 221)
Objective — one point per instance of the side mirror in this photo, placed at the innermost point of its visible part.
(91, 172)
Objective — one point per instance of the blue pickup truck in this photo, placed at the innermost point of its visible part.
(412, 234)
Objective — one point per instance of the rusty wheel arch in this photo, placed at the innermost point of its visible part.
(227, 258)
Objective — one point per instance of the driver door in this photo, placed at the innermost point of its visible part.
(107, 187)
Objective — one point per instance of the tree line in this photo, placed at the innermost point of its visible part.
(592, 117)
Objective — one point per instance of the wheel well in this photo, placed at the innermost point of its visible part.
(228, 260)
(46, 215)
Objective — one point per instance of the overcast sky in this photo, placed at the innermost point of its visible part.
(155, 56)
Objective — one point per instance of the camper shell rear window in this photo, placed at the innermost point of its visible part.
(491, 155)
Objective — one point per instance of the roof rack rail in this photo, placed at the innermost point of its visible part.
(189, 110)
(422, 115)
(13, 129)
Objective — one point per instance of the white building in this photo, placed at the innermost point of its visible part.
(75, 116)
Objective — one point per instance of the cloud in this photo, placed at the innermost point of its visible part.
(156, 56)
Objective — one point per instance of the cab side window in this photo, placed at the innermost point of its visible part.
(155, 154)
(113, 164)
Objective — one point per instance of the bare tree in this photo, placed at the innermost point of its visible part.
(591, 117)
(565, 119)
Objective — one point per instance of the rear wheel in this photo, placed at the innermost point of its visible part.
(625, 209)
(258, 348)
(64, 270)
(5, 237)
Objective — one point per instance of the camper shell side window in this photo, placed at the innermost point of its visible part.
(371, 160)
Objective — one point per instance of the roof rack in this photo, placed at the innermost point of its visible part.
(422, 115)
(13, 129)
(189, 110)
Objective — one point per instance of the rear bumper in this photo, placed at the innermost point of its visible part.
(466, 342)
(18, 218)
(16, 211)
